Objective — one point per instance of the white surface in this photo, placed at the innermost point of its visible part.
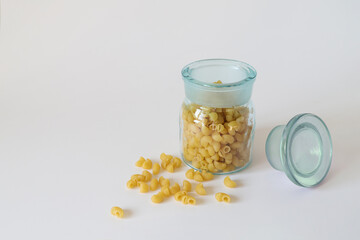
(86, 87)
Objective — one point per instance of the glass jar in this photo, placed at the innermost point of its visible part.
(217, 120)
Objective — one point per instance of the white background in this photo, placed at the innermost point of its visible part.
(86, 87)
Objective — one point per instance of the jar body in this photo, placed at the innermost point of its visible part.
(216, 139)
(217, 119)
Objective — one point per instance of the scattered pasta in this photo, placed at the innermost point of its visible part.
(169, 162)
(140, 162)
(174, 188)
(144, 188)
(222, 197)
(229, 183)
(154, 184)
(147, 164)
(131, 184)
(156, 168)
(147, 175)
(164, 181)
(199, 189)
(187, 186)
(157, 198)
(190, 173)
(117, 212)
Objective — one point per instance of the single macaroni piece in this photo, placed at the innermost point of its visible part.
(190, 174)
(199, 189)
(117, 212)
(154, 184)
(157, 198)
(222, 197)
(170, 168)
(131, 184)
(140, 162)
(138, 177)
(218, 82)
(175, 188)
(229, 183)
(147, 175)
(179, 195)
(186, 186)
(166, 191)
(144, 188)
(184, 199)
(191, 200)
(177, 162)
(207, 175)
(164, 181)
(198, 177)
(147, 164)
(156, 168)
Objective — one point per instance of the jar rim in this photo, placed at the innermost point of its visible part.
(250, 72)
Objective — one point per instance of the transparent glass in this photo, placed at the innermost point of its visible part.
(302, 149)
(217, 120)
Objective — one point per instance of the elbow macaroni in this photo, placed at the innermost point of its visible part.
(222, 197)
(174, 188)
(200, 189)
(131, 184)
(229, 183)
(154, 184)
(216, 139)
(117, 212)
(147, 164)
(140, 162)
(156, 168)
(144, 188)
(157, 198)
(147, 175)
(186, 186)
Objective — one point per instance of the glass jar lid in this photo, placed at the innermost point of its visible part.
(302, 149)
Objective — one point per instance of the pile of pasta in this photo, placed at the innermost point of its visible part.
(216, 139)
(148, 182)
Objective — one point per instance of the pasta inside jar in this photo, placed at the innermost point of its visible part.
(216, 139)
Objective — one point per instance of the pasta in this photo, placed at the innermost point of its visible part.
(157, 198)
(177, 162)
(229, 183)
(186, 186)
(140, 162)
(190, 200)
(147, 164)
(216, 139)
(222, 197)
(179, 195)
(169, 162)
(164, 181)
(138, 178)
(174, 188)
(207, 175)
(199, 189)
(117, 212)
(147, 175)
(144, 188)
(166, 191)
(131, 184)
(190, 174)
(154, 184)
(156, 168)
(198, 177)
(170, 168)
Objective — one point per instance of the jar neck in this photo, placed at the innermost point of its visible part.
(219, 97)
